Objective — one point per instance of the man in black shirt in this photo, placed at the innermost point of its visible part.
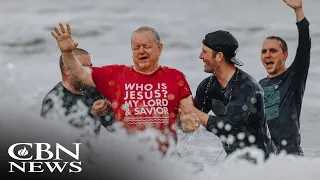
(284, 88)
(70, 100)
(234, 97)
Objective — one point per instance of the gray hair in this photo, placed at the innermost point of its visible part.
(147, 28)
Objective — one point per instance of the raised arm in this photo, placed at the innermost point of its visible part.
(301, 62)
(66, 45)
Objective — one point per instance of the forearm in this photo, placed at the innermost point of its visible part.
(301, 61)
(299, 14)
(73, 65)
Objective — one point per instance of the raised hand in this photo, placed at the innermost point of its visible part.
(295, 4)
(64, 39)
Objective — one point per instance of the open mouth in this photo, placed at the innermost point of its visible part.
(143, 58)
(269, 63)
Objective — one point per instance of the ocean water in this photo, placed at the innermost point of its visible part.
(29, 59)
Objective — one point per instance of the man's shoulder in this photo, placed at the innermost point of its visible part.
(285, 76)
(206, 80)
(171, 70)
(205, 83)
(49, 99)
(93, 92)
(114, 71)
(57, 90)
(248, 81)
(115, 66)
(264, 81)
(246, 77)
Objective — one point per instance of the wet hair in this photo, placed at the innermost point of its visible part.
(76, 51)
(152, 30)
(283, 43)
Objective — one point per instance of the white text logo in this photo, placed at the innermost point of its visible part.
(41, 157)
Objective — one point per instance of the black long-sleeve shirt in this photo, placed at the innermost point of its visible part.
(62, 104)
(283, 96)
(239, 118)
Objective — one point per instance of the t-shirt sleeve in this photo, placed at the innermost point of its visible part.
(47, 104)
(237, 111)
(300, 66)
(185, 90)
(200, 97)
(102, 76)
(99, 76)
(52, 106)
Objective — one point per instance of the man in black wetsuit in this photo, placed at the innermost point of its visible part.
(234, 96)
(70, 100)
(284, 88)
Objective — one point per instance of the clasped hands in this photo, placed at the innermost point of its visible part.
(189, 121)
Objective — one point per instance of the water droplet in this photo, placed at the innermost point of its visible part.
(220, 125)
(107, 118)
(223, 138)
(181, 83)
(252, 139)
(240, 136)
(293, 116)
(162, 138)
(230, 139)
(111, 83)
(241, 144)
(227, 127)
(254, 110)
(172, 115)
(214, 130)
(284, 142)
(114, 104)
(244, 107)
(171, 97)
(123, 107)
(253, 100)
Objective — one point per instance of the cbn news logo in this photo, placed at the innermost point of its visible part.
(39, 161)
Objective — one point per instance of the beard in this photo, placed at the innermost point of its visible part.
(79, 86)
(84, 87)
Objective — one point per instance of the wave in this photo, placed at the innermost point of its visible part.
(120, 156)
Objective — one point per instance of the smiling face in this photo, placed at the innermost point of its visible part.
(209, 59)
(146, 51)
(273, 58)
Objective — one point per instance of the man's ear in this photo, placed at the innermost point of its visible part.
(285, 56)
(160, 46)
(65, 71)
(219, 56)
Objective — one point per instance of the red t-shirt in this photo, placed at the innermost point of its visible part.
(139, 100)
